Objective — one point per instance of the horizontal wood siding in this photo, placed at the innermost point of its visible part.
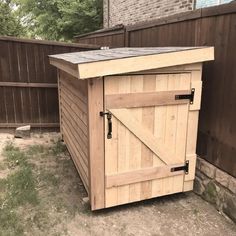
(74, 121)
(214, 26)
(28, 83)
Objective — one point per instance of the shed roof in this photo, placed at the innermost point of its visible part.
(124, 60)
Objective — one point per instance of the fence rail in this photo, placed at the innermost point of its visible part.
(28, 83)
(214, 26)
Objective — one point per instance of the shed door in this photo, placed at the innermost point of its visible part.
(145, 157)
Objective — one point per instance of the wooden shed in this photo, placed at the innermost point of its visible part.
(129, 118)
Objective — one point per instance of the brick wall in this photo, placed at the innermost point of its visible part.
(130, 11)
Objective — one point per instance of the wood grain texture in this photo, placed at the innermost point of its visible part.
(28, 82)
(74, 110)
(211, 26)
(139, 63)
(96, 143)
(141, 175)
(142, 132)
(129, 100)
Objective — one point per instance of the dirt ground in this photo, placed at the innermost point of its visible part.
(42, 194)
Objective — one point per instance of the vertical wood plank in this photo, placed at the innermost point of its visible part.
(111, 146)
(136, 85)
(192, 130)
(59, 100)
(148, 116)
(96, 143)
(159, 131)
(123, 145)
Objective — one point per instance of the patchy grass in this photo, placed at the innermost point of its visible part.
(14, 157)
(58, 147)
(10, 223)
(35, 190)
(18, 189)
(21, 188)
(36, 150)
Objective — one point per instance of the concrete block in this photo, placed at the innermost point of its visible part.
(198, 163)
(229, 207)
(198, 186)
(222, 177)
(22, 132)
(208, 169)
(210, 193)
(232, 184)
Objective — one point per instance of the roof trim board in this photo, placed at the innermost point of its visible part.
(122, 60)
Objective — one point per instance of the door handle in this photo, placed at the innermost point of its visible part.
(109, 116)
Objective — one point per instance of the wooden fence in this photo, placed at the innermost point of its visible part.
(214, 26)
(28, 83)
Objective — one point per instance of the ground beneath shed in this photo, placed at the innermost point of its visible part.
(41, 193)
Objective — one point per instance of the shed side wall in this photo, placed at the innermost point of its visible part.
(74, 121)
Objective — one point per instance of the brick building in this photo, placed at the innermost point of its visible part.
(128, 12)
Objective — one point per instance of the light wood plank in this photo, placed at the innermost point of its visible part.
(159, 131)
(111, 146)
(60, 103)
(140, 63)
(188, 186)
(145, 99)
(197, 85)
(74, 107)
(77, 87)
(144, 135)
(148, 117)
(192, 158)
(123, 145)
(96, 143)
(136, 85)
(181, 129)
(77, 112)
(67, 67)
(193, 127)
(78, 158)
(82, 145)
(68, 93)
(144, 174)
(77, 164)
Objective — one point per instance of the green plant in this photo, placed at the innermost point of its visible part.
(58, 147)
(14, 157)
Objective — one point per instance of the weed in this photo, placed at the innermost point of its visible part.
(58, 147)
(40, 219)
(48, 178)
(10, 223)
(16, 190)
(14, 157)
(2, 185)
(2, 166)
(21, 188)
(9, 147)
(36, 149)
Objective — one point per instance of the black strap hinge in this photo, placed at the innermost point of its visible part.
(186, 96)
(179, 168)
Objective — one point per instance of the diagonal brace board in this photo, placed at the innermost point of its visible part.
(129, 121)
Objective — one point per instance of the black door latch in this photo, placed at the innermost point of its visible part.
(186, 96)
(109, 116)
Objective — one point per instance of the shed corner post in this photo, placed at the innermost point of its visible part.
(96, 143)
(59, 100)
